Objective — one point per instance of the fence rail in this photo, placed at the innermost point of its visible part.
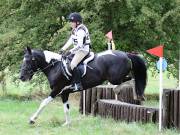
(127, 112)
(105, 92)
(100, 100)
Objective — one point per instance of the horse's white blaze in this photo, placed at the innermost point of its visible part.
(51, 55)
(108, 52)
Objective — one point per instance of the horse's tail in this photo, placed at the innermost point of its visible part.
(140, 74)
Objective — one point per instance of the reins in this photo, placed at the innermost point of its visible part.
(38, 69)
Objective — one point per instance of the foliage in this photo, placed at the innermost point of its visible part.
(137, 26)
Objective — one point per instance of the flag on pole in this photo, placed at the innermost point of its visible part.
(157, 51)
(111, 45)
(109, 35)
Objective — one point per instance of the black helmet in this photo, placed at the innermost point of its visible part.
(75, 17)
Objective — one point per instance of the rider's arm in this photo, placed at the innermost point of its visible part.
(80, 40)
(68, 44)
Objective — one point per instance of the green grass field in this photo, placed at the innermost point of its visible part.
(14, 115)
(15, 110)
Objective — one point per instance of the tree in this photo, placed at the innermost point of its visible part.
(137, 26)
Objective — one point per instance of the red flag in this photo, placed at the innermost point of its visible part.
(109, 35)
(157, 51)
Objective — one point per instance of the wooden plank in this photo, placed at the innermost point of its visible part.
(131, 93)
(99, 93)
(103, 93)
(114, 112)
(112, 94)
(175, 108)
(150, 113)
(124, 111)
(141, 114)
(108, 93)
(131, 98)
(88, 101)
(134, 114)
(81, 103)
(166, 108)
(125, 95)
(130, 114)
(93, 100)
(179, 110)
(171, 108)
(118, 112)
(145, 115)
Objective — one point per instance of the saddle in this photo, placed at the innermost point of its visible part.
(82, 66)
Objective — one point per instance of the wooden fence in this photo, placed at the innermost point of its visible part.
(105, 92)
(171, 108)
(130, 112)
(127, 112)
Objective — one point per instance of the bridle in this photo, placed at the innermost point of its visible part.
(34, 65)
(32, 72)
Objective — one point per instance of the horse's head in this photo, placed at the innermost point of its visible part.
(29, 66)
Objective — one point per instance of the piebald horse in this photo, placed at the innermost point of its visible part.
(112, 66)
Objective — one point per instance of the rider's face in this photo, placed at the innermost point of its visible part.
(73, 25)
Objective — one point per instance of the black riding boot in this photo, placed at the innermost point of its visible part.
(77, 79)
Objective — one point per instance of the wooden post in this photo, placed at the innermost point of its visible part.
(166, 108)
(84, 102)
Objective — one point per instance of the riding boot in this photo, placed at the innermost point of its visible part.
(77, 79)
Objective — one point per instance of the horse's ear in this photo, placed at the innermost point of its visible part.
(28, 50)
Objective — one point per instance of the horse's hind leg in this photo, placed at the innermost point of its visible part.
(65, 97)
(134, 89)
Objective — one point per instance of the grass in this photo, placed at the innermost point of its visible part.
(153, 83)
(14, 116)
(15, 110)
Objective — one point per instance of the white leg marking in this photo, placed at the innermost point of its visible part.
(67, 114)
(134, 89)
(41, 107)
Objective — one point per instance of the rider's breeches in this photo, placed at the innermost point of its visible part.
(78, 57)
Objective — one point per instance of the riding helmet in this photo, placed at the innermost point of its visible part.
(75, 17)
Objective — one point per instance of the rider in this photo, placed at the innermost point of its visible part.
(81, 41)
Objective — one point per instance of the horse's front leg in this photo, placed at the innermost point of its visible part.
(41, 107)
(65, 97)
(45, 102)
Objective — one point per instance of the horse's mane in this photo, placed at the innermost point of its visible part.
(47, 55)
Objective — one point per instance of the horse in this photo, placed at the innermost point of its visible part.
(112, 66)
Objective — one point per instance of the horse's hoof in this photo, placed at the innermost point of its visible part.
(66, 124)
(141, 98)
(31, 122)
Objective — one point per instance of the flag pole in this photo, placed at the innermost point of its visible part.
(160, 93)
(158, 51)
